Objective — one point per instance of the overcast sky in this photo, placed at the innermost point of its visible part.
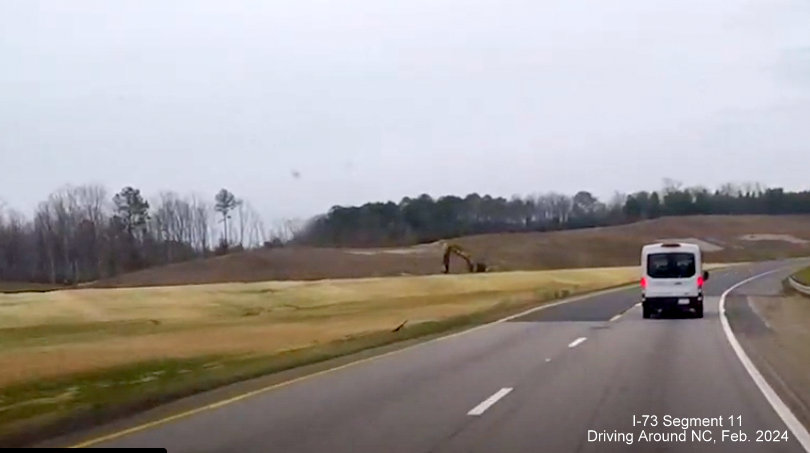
(374, 100)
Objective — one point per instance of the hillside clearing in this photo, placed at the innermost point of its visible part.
(724, 239)
(803, 276)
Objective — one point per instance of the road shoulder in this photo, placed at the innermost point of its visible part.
(771, 328)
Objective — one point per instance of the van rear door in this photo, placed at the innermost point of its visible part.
(671, 274)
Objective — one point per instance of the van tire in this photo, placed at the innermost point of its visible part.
(699, 311)
(646, 312)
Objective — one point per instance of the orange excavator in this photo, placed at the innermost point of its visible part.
(455, 249)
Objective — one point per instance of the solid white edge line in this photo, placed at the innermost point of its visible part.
(784, 412)
(615, 317)
(487, 403)
(577, 342)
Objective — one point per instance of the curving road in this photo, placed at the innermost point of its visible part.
(539, 382)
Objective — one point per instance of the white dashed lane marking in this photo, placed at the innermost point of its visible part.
(487, 403)
(577, 342)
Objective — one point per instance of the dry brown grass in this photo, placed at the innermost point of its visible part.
(44, 335)
(594, 247)
(803, 276)
(84, 355)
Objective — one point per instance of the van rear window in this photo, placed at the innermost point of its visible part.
(671, 265)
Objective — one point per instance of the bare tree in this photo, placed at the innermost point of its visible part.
(16, 249)
(46, 240)
(202, 213)
(79, 233)
(65, 216)
(753, 188)
(243, 217)
(730, 189)
(93, 209)
(165, 223)
(287, 229)
(560, 206)
(671, 185)
(251, 227)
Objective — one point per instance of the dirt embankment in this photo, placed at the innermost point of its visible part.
(724, 239)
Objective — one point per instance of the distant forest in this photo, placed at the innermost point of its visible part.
(425, 219)
(84, 233)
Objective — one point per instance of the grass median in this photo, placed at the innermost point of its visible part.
(86, 354)
(803, 276)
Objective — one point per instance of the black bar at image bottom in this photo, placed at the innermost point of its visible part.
(131, 450)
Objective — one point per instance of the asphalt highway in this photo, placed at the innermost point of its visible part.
(560, 379)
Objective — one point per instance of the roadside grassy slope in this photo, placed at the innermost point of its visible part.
(56, 333)
(90, 351)
(803, 276)
(739, 238)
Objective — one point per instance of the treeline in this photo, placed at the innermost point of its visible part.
(425, 219)
(82, 233)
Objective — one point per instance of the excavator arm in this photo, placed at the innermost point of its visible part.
(453, 249)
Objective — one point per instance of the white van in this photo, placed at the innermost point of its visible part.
(672, 277)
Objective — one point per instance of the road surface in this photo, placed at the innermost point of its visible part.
(546, 381)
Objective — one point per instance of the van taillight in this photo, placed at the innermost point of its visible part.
(700, 281)
(643, 283)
